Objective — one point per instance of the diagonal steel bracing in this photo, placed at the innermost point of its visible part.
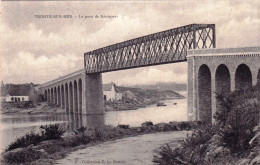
(160, 48)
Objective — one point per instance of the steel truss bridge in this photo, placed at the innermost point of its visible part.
(169, 46)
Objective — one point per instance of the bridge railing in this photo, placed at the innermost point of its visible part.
(160, 48)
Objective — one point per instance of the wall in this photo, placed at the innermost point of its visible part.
(110, 95)
(118, 96)
(22, 98)
(232, 58)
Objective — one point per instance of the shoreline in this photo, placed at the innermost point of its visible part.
(44, 109)
(41, 109)
(119, 106)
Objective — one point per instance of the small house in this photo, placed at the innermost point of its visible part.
(111, 92)
(18, 93)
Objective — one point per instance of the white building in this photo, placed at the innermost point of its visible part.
(18, 93)
(10, 98)
(111, 92)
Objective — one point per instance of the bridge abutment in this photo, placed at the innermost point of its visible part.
(218, 71)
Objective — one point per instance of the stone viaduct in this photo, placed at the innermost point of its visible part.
(210, 70)
(78, 94)
(67, 92)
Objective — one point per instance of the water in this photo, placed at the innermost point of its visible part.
(152, 113)
(14, 126)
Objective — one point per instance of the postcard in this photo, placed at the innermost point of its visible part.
(130, 82)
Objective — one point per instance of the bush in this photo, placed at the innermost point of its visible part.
(236, 118)
(98, 134)
(77, 140)
(25, 155)
(185, 125)
(91, 135)
(52, 131)
(81, 131)
(194, 146)
(238, 115)
(200, 136)
(192, 149)
(169, 157)
(147, 123)
(24, 141)
(123, 126)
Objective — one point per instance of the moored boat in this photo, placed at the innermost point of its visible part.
(160, 104)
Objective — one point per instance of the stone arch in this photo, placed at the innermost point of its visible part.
(222, 82)
(52, 101)
(80, 95)
(67, 97)
(55, 96)
(204, 94)
(258, 84)
(45, 95)
(62, 96)
(75, 88)
(258, 78)
(58, 99)
(71, 97)
(49, 95)
(243, 77)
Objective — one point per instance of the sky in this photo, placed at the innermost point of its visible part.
(41, 49)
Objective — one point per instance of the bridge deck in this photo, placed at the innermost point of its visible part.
(160, 48)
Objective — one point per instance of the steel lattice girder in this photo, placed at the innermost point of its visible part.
(160, 48)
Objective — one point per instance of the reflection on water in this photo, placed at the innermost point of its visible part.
(152, 113)
(14, 126)
(77, 120)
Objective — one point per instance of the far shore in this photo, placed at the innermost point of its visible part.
(43, 108)
(40, 109)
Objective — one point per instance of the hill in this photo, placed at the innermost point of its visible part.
(164, 86)
(142, 98)
(147, 93)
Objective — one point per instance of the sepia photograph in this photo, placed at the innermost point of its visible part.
(138, 82)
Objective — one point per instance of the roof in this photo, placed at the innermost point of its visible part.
(117, 89)
(108, 87)
(15, 90)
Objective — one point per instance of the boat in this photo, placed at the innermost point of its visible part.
(160, 104)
